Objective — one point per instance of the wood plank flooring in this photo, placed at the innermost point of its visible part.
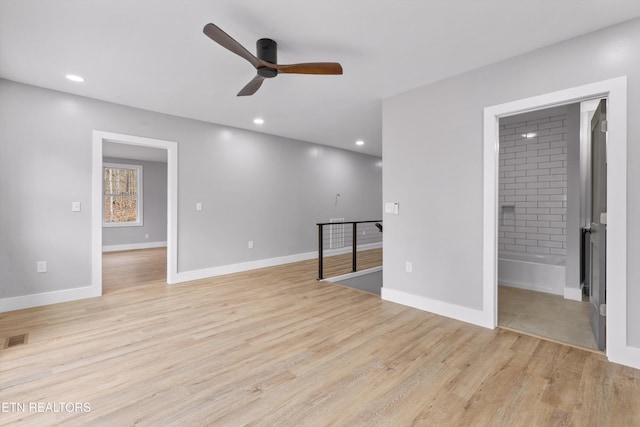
(274, 347)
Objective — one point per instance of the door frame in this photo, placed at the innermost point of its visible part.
(96, 201)
(615, 90)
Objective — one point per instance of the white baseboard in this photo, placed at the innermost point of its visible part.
(204, 273)
(133, 246)
(65, 295)
(47, 298)
(186, 276)
(453, 311)
(624, 355)
(574, 294)
(628, 356)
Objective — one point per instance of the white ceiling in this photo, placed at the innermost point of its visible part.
(152, 54)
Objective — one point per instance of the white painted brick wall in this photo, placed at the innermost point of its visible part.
(533, 179)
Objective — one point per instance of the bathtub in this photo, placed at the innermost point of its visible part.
(536, 272)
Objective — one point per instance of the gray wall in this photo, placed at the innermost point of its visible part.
(252, 187)
(432, 149)
(154, 208)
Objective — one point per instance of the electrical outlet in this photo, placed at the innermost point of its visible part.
(250, 244)
(146, 235)
(408, 267)
(41, 267)
(198, 206)
(75, 206)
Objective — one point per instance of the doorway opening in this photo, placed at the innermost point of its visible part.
(615, 91)
(540, 215)
(131, 145)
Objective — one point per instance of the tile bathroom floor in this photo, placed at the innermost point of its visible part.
(545, 315)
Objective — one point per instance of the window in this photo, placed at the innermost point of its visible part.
(122, 195)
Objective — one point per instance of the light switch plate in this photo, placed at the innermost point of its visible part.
(41, 267)
(75, 206)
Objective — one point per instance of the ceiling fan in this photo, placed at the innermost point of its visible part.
(266, 61)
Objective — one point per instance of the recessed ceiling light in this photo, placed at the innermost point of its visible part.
(74, 78)
(258, 121)
(360, 142)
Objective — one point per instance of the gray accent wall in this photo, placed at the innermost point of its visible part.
(154, 207)
(252, 186)
(432, 149)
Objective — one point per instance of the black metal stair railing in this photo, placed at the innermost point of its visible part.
(333, 238)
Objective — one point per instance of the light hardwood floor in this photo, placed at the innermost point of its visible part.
(274, 347)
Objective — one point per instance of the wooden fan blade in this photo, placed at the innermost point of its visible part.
(310, 68)
(226, 41)
(252, 87)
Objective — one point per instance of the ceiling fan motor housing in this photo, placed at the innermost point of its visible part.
(266, 59)
(267, 50)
